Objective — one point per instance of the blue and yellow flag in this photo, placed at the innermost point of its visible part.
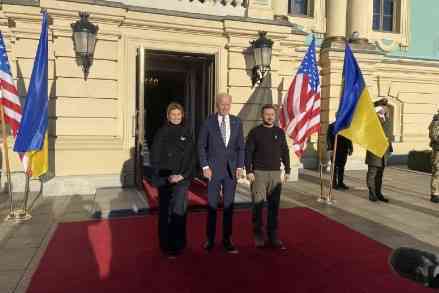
(31, 138)
(356, 118)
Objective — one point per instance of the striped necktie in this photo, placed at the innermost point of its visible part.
(223, 129)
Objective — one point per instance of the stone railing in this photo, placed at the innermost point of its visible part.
(212, 7)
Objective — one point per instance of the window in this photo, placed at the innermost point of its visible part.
(301, 7)
(384, 15)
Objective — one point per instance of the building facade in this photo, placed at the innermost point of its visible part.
(151, 52)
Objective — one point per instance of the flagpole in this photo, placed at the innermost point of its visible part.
(330, 199)
(27, 188)
(6, 152)
(322, 166)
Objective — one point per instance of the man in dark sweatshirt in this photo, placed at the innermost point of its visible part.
(266, 148)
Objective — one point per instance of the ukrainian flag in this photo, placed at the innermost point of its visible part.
(356, 118)
(31, 138)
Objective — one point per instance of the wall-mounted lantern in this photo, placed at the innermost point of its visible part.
(262, 50)
(84, 39)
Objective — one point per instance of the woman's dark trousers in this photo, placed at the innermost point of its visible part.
(172, 216)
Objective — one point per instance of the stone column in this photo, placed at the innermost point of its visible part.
(360, 20)
(280, 9)
(335, 20)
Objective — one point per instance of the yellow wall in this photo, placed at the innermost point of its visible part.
(91, 124)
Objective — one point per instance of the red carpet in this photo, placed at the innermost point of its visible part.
(197, 193)
(122, 256)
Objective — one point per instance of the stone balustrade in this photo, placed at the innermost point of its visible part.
(211, 7)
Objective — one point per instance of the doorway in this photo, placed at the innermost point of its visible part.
(172, 77)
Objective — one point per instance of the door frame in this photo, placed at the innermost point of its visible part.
(139, 103)
(139, 132)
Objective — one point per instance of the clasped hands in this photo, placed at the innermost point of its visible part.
(251, 177)
(175, 178)
(207, 172)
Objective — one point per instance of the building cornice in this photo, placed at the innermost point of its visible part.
(411, 61)
(21, 2)
(129, 8)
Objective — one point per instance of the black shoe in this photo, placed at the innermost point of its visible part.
(208, 245)
(434, 198)
(277, 244)
(372, 197)
(173, 254)
(382, 198)
(416, 265)
(258, 236)
(229, 247)
(343, 186)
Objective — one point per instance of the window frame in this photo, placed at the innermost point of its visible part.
(395, 15)
(309, 9)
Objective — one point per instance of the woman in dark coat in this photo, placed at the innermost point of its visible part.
(173, 161)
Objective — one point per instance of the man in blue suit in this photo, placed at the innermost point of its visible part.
(221, 150)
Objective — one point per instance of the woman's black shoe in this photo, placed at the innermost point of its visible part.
(208, 245)
(229, 247)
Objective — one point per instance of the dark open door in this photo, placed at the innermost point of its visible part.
(165, 77)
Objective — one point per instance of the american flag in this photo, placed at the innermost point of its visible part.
(300, 109)
(8, 92)
(9, 97)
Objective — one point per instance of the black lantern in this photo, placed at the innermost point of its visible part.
(84, 38)
(262, 57)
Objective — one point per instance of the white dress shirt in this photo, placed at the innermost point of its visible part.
(227, 119)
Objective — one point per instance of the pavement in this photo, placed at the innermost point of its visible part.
(409, 219)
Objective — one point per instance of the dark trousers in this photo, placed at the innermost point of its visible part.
(340, 162)
(375, 180)
(228, 187)
(338, 176)
(172, 216)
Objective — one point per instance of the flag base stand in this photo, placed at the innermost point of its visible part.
(18, 215)
(330, 202)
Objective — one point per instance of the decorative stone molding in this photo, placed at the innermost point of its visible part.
(212, 7)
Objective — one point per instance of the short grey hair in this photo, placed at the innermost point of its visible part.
(222, 95)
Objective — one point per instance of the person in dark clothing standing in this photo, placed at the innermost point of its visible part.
(376, 165)
(173, 162)
(266, 148)
(344, 148)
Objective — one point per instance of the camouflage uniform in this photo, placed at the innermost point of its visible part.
(434, 143)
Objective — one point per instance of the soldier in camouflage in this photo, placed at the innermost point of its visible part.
(434, 143)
